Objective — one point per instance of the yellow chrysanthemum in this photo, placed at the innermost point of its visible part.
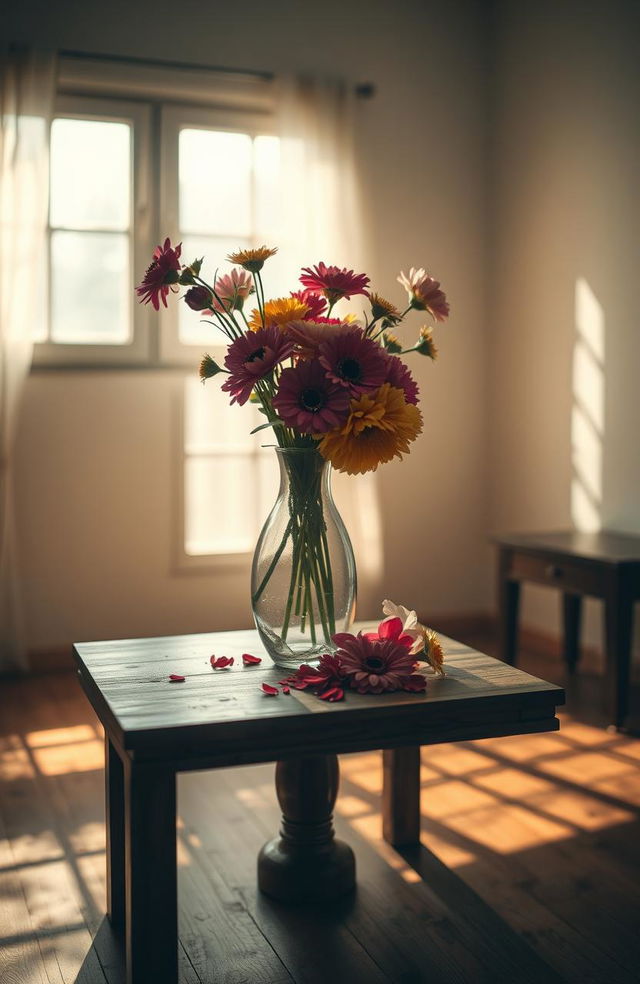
(382, 308)
(433, 652)
(279, 312)
(381, 425)
(426, 344)
(252, 259)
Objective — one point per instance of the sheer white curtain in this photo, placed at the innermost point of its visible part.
(27, 84)
(324, 214)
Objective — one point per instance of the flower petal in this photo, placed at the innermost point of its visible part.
(176, 678)
(221, 662)
(250, 660)
(391, 628)
(269, 690)
(332, 694)
(285, 689)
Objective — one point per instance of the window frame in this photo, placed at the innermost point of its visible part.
(138, 352)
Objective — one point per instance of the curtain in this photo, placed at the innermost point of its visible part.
(27, 85)
(323, 208)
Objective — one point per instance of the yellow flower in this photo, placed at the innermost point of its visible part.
(426, 344)
(252, 259)
(381, 425)
(382, 308)
(391, 342)
(279, 312)
(433, 652)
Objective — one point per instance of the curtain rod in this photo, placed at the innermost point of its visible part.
(364, 90)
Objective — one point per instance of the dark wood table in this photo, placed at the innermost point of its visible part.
(156, 729)
(605, 565)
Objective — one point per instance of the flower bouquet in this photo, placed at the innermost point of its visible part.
(335, 392)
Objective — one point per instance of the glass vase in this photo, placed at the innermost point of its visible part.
(303, 578)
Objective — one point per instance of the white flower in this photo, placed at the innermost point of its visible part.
(426, 644)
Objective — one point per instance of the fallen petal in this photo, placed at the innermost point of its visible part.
(332, 694)
(269, 690)
(250, 660)
(285, 690)
(176, 678)
(221, 662)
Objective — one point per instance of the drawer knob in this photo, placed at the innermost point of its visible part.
(553, 571)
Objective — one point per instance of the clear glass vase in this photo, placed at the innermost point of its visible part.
(303, 578)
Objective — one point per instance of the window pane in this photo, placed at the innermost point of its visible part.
(90, 174)
(267, 168)
(215, 182)
(220, 509)
(90, 288)
(215, 250)
(211, 423)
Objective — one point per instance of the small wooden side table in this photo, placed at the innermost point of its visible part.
(605, 565)
(155, 729)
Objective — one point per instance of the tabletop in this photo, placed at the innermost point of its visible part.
(605, 546)
(222, 717)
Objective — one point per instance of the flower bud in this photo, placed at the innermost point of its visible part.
(208, 368)
(198, 298)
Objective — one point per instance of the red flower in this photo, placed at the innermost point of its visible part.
(316, 304)
(391, 628)
(333, 282)
(250, 660)
(376, 666)
(326, 680)
(221, 662)
(163, 271)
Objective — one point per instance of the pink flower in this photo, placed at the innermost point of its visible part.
(425, 294)
(232, 289)
(309, 401)
(333, 282)
(399, 376)
(392, 628)
(376, 666)
(353, 361)
(316, 304)
(162, 273)
(252, 357)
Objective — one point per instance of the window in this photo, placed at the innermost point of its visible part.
(211, 182)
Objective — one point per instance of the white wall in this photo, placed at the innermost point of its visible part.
(97, 455)
(565, 164)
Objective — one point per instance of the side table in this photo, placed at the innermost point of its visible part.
(155, 729)
(604, 565)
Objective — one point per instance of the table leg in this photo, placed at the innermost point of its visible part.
(618, 619)
(508, 604)
(306, 863)
(571, 609)
(114, 801)
(151, 877)
(401, 796)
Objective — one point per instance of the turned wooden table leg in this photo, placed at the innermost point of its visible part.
(401, 796)
(306, 862)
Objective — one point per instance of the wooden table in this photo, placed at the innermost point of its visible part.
(605, 565)
(156, 729)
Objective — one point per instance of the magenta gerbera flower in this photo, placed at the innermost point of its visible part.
(333, 282)
(252, 357)
(162, 273)
(376, 666)
(326, 680)
(353, 361)
(399, 376)
(316, 303)
(309, 401)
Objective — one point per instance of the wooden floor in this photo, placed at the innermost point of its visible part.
(537, 833)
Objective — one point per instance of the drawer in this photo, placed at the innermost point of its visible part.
(571, 575)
